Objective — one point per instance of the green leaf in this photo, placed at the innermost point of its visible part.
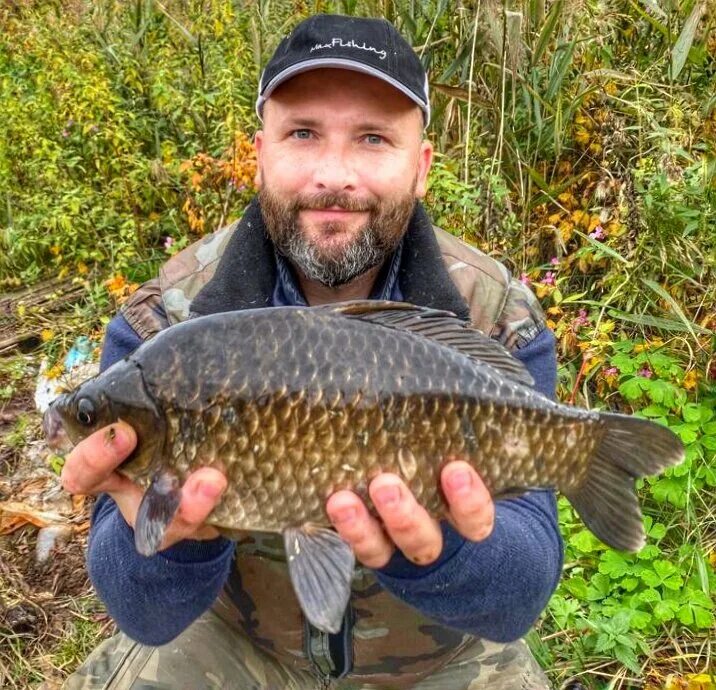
(649, 596)
(577, 587)
(653, 410)
(584, 541)
(709, 442)
(628, 658)
(604, 643)
(547, 32)
(625, 363)
(631, 389)
(665, 610)
(680, 51)
(709, 428)
(614, 565)
(629, 583)
(691, 412)
(685, 614)
(640, 620)
(651, 321)
(691, 327)
(703, 618)
(668, 490)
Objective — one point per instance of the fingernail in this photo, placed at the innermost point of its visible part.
(115, 437)
(387, 496)
(459, 481)
(344, 516)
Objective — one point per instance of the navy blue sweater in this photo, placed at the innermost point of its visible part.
(494, 589)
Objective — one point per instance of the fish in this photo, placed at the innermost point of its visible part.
(295, 403)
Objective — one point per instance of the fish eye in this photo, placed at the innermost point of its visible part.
(86, 412)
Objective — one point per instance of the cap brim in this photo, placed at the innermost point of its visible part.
(338, 63)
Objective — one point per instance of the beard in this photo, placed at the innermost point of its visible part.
(336, 264)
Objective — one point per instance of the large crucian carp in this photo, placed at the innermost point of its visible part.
(295, 403)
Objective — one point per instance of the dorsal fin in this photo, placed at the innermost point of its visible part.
(442, 326)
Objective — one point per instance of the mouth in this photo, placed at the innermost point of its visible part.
(55, 433)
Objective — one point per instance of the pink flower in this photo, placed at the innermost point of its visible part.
(554, 261)
(168, 242)
(611, 371)
(581, 320)
(549, 279)
(65, 133)
(645, 372)
(598, 233)
(525, 279)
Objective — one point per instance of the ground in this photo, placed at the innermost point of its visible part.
(49, 616)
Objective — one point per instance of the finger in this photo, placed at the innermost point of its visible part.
(471, 507)
(360, 529)
(201, 493)
(408, 524)
(89, 468)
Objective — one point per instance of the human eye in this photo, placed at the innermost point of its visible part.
(303, 134)
(374, 139)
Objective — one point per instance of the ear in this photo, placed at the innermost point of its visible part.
(425, 160)
(258, 144)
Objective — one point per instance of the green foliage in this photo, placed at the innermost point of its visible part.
(620, 601)
(95, 127)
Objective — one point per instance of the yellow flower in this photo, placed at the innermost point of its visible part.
(580, 218)
(567, 198)
(54, 372)
(47, 334)
(21, 309)
(116, 284)
(566, 230)
(581, 136)
(542, 290)
(690, 380)
(610, 88)
(592, 362)
(55, 249)
(82, 268)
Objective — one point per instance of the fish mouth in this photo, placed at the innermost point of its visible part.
(55, 432)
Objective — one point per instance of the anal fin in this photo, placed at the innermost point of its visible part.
(321, 567)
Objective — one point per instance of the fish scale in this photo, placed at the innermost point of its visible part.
(293, 404)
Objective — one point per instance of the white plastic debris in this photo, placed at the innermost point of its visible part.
(78, 366)
(48, 537)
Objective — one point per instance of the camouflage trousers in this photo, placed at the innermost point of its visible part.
(210, 655)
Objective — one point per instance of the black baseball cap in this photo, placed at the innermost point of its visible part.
(370, 46)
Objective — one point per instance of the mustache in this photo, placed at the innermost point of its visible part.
(324, 200)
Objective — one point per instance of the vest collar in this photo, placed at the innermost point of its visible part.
(246, 275)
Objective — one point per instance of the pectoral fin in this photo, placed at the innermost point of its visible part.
(321, 567)
(157, 509)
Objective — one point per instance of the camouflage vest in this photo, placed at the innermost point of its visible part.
(388, 643)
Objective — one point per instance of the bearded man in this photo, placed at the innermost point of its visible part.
(342, 163)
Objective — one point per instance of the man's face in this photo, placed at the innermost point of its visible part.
(341, 161)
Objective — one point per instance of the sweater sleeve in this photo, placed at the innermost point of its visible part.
(151, 599)
(498, 587)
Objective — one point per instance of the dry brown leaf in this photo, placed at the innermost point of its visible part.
(15, 514)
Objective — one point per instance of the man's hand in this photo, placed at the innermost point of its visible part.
(90, 469)
(407, 525)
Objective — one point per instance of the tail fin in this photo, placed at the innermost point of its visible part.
(606, 500)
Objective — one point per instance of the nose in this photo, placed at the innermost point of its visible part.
(335, 170)
(54, 431)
